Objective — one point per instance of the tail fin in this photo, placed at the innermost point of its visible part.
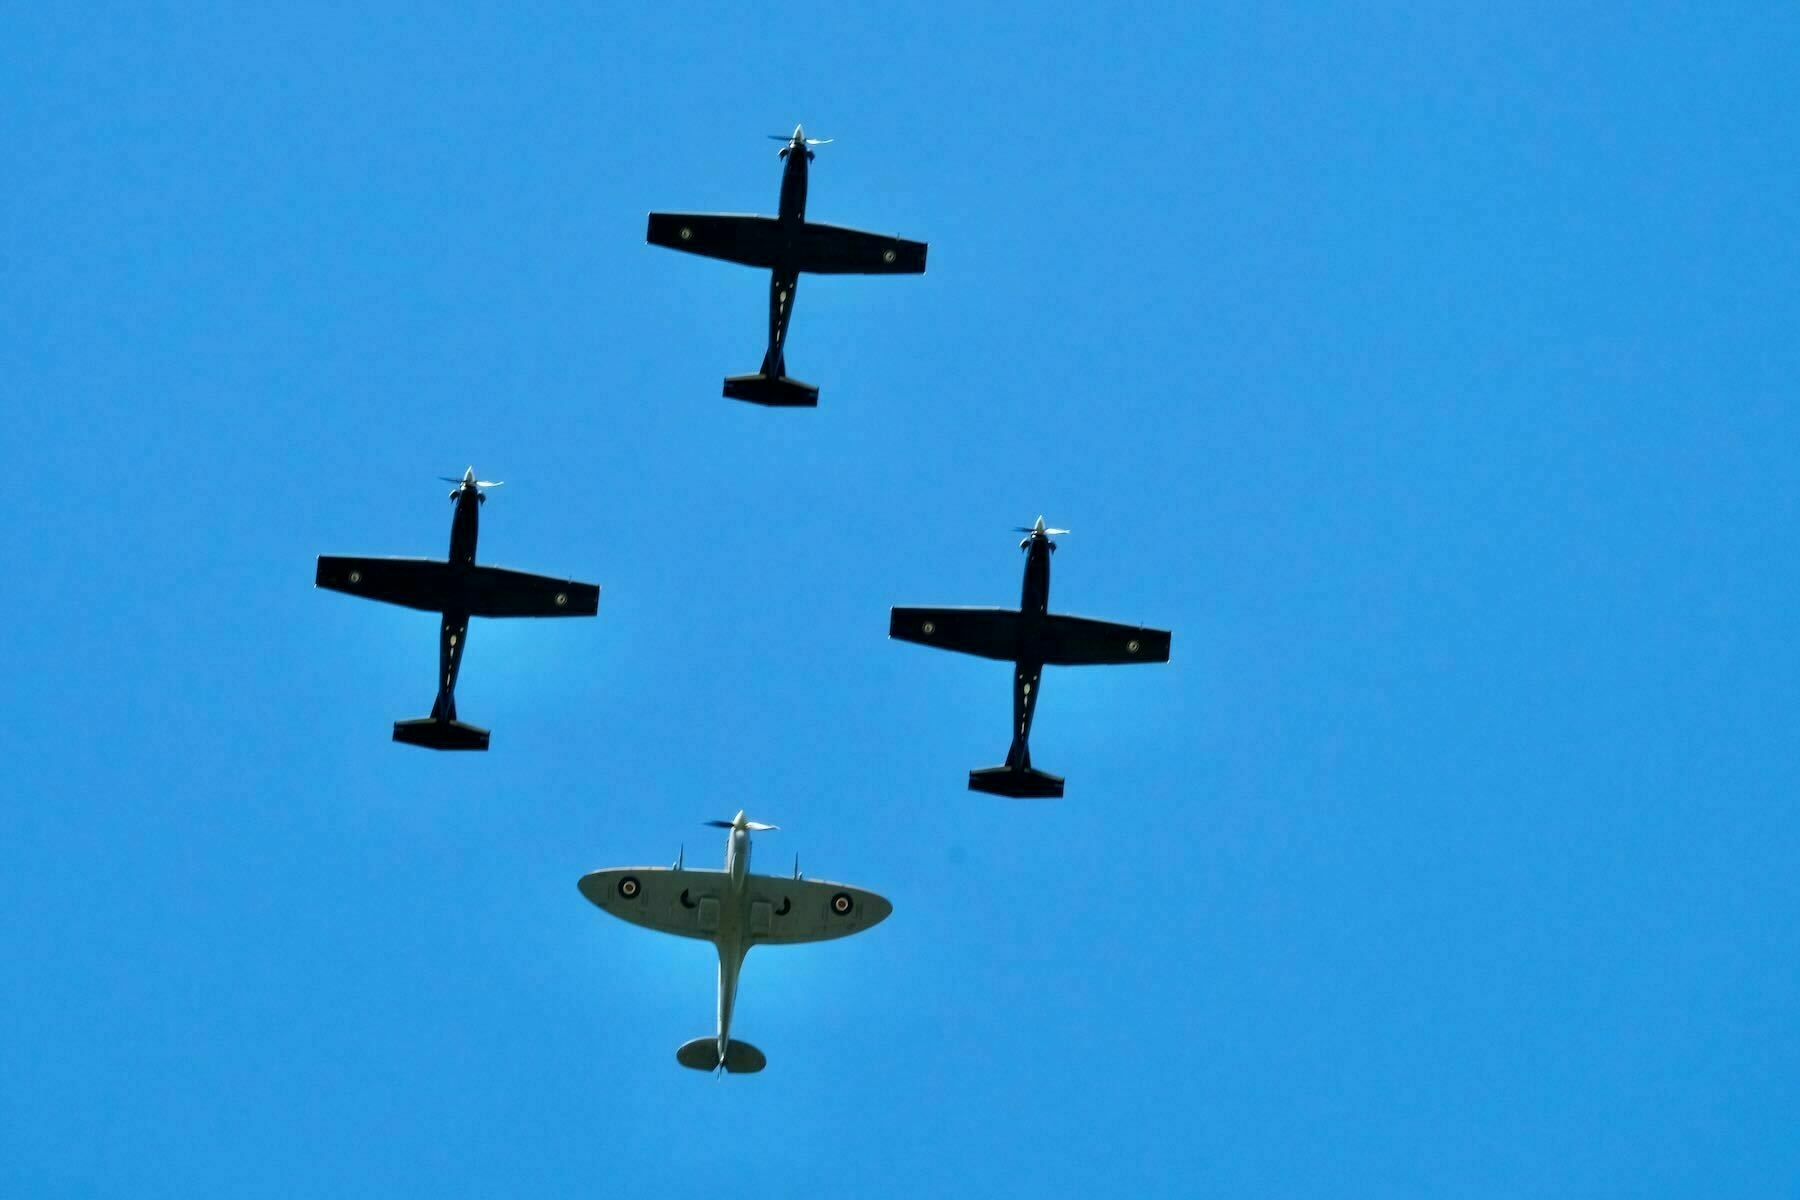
(771, 386)
(702, 1054)
(436, 733)
(1019, 782)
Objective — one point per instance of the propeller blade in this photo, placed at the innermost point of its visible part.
(447, 479)
(719, 824)
(782, 137)
(759, 825)
(820, 141)
(489, 482)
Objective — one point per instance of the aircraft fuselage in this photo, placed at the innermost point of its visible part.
(785, 278)
(733, 938)
(1034, 602)
(453, 633)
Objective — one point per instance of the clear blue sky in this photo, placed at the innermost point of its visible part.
(1431, 374)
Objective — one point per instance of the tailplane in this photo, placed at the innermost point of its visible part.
(702, 1054)
(771, 391)
(1019, 782)
(437, 733)
(771, 386)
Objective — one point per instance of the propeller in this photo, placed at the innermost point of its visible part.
(480, 483)
(788, 137)
(739, 823)
(1038, 529)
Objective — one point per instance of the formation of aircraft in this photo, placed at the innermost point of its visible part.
(786, 245)
(734, 910)
(1030, 637)
(457, 589)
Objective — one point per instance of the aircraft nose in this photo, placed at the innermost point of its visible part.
(799, 134)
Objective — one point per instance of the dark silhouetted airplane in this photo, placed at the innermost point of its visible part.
(787, 244)
(459, 590)
(1031, 639)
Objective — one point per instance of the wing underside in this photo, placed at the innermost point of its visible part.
(498, 592)
(435, 586)
(835, 250)
(423, 583)
(667, 899)
(987, 632)
(790, 911)
(1084, 642)
(764, 242)
(1007, 634)
(739, 238)
(690, 903)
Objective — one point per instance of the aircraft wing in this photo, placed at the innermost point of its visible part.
(1080, 642)
(788, 911)
(437, 586)
(414, 582)
(753, 241)
(497, 592)
(834, 250)
(669, 900)
(988, 632)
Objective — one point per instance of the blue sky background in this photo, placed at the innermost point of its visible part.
(1430, 374)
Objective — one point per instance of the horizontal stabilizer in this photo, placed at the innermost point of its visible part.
(702, 1054)
(434, 734)
(1021, 783)
(774, 392)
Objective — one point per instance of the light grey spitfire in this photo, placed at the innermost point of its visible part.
(734, 910)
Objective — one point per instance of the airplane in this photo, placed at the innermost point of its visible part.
(734, 910)
(1030, 638)
(787, 245)
(459, 590)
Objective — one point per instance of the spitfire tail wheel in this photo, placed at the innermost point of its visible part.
(842, 904)
(629, 888)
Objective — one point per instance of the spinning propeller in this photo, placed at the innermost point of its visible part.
(1038, 530)
(799, 138)
(739, 822)
(468, 480)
